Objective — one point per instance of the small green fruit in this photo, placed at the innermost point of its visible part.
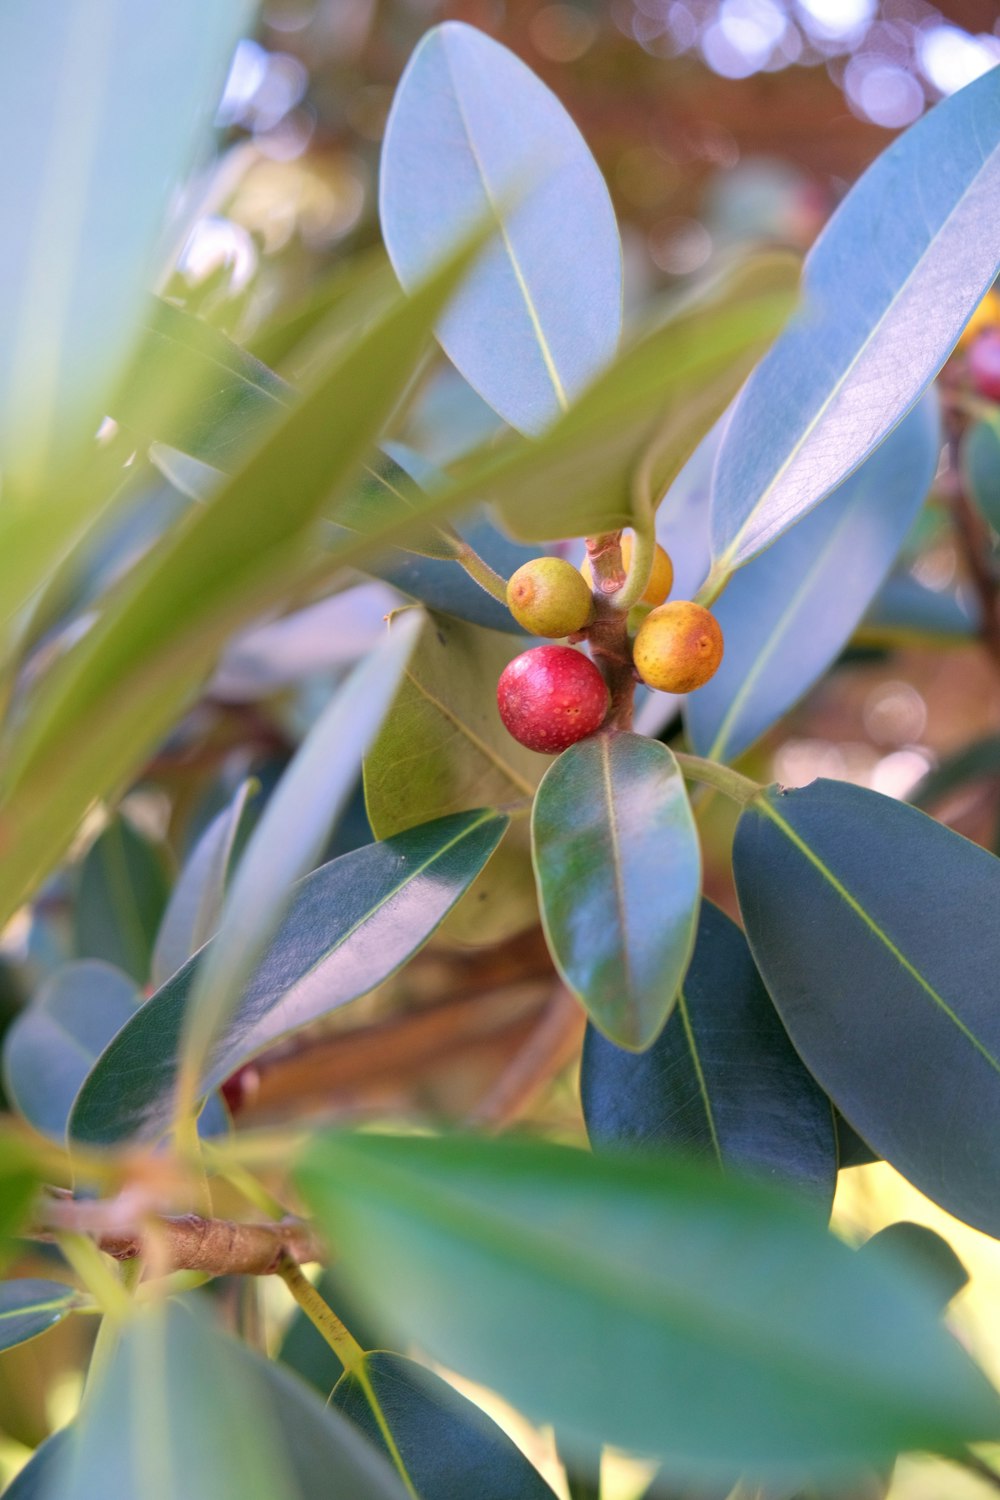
(547, 596)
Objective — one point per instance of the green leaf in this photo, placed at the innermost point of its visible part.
(690, 1316)
(980, 464)
(449, 1447)
(121, 894)
(114, 693)
(906, 613)
(350, 925)
(88, 190)
(865, 918)
(195, 905)
(927, 1252)
(875, 327)
(193, 388)
(35, 1481)
(29, 1307)
(19, 1185)
(619, 880)
(473, 133)
(722, 1080)
(287, 841)
(443, 748)
(184, 1410)
(790, 613)
(975, 762)
(577, 478)
(49, 1049)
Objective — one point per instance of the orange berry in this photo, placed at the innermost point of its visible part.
(986, 315)
(678, 647)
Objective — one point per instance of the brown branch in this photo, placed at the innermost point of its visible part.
(550, 1047)
(186, 1242)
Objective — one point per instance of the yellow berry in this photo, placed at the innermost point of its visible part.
(678, 647)
(986, 315)
(547, 596)
(661, 578)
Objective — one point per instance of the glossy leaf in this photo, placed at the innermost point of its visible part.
(980, 461)
(195, 904)
(185, 1410)
(473, 133)
(865, 918)
(51, 1046)
(289, 839)
(619, 880)
(443, 748)
(760, 1343)
(449, 1447)
(722, 1080)
(118, 689)
(446, 588)
(89, 187)
(121, 894)
(29, 1307)
(788, 615)
(889, 284)
(578, 477)
(349, 926)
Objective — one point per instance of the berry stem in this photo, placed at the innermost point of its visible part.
(722, 778)
(644, 540)
(606, 566)
(478, 570)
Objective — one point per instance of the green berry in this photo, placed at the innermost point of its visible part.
(547, 596)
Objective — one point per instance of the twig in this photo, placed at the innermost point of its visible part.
(188, 1242)
(548, 1049)
(973, 537)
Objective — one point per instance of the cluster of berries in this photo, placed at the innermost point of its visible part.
(552, 696)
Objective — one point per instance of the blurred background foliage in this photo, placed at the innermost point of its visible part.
(716, 123)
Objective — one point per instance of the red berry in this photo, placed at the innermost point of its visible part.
(984, 363)
(550, 697)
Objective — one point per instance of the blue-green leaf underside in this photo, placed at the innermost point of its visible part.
(866, 920)
(349, 926)
(888, 286)
(473, 133)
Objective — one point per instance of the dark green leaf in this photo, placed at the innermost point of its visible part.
(185, 1411)
(29, 1307)
(117, 690)
(852, 1151)
(52, 1045)
(866, 919)
(349, 926)
(721, 1080)
(120, 899)
(443, 748)
(619, 879)
(874, 328)
(682, 1314)
(980, 459)
(449, 1447)
(788, 615)
(195, 904)
(974, 762)
(473, 133)
(928, 1253)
